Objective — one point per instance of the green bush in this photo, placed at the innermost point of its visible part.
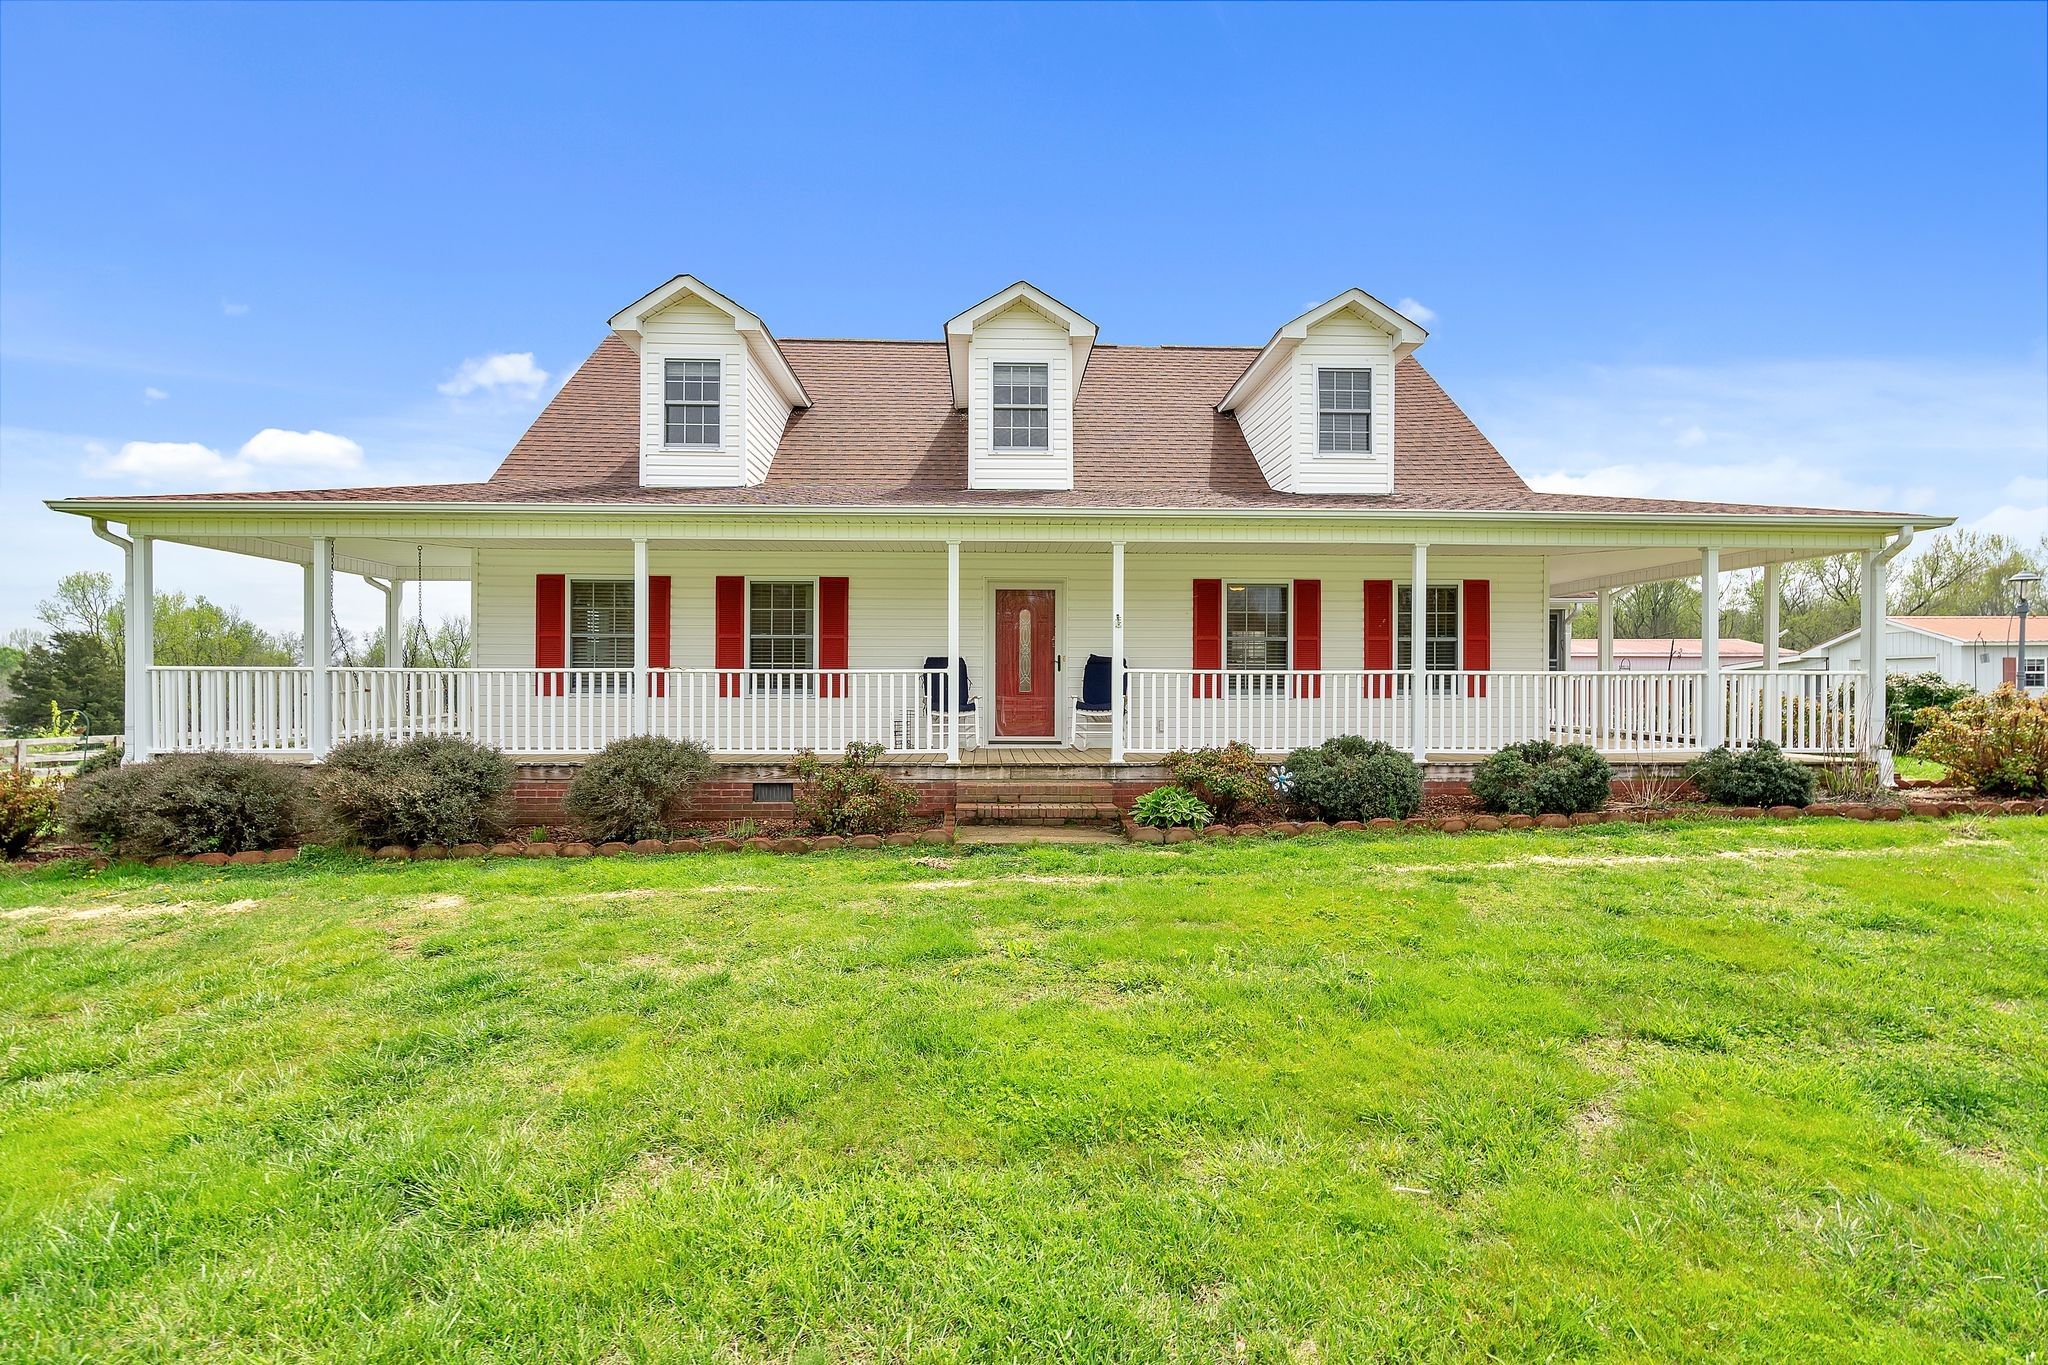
(1232, 781)
(1349, 778)
(1907, 696)
(1754, 777)
(625, 790)
(1541, 778)
(430, 790)
(28, 810)
(187, 803)
(1997, 744)
(851, 796)
(1168, 807)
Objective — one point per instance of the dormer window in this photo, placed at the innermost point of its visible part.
(690, 395)
(1344, 412)
(1022, 407)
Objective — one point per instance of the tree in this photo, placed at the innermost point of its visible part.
(1964, 573)
(84, 604)
(75, 671)
(198, 633)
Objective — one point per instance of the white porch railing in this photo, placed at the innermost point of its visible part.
(1801, 713)
(556, 711)
(247, 710)
(579, 711)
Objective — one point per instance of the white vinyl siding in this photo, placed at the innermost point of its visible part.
(1282, 419)
(692, 330)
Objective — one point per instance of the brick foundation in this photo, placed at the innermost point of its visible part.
(538, 790)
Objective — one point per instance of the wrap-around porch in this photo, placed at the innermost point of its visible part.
(760, 648)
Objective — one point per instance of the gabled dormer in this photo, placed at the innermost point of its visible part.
(1317, 403)
(1017, 359)
(715, 390)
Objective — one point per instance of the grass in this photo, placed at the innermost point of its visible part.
(1757, 1090)
(1907, 765)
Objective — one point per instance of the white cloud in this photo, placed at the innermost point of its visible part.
(274, 448)
(271, 458)
(234, 310)
(1940, 437)
(154, 395)
(162, 462)
(511, 372)
(1415, 310)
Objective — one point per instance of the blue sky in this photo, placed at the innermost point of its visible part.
(1767, 252)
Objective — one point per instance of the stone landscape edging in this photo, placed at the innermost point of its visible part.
(1135, 832)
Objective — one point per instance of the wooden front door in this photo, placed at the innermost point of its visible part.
(1027, 673)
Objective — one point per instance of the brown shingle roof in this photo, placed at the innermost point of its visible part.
(882, 431)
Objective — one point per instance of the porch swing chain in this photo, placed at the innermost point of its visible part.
(419, 598)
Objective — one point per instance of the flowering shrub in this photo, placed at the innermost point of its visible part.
(1997, 744)
(28, 810)
(851, 796)
(1231, 781)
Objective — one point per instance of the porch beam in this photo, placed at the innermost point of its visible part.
(1116, 651)
(1418, 655)
(1710, 647)
(1605, 598)
(319, 649)
(142, 640)
(641, 653)
(952, 651)
(1771, 596)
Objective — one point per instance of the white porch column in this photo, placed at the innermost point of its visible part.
(1771, 595)
(953, 651)
(640, 651)
(319, 648)
(1874, 661)
(1710, 647)
(1116, 651)
(1418, 655)
(141, 644)
(1605, 599)
(394, 624)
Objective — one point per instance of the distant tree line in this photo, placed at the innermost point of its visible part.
(1959, 573)
(69, 674)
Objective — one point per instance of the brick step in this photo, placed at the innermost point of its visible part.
(1027, 793)
(1035, 813)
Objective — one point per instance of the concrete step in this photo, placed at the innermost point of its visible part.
(1030, 793)
(1035, 813)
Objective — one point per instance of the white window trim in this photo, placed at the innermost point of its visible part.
(1286, 587)
(1052, 439)
(1457, 586)
(1371, 453)
(724, 426)
(747, 607)
(569, 582)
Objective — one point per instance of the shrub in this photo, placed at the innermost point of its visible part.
(1755, 777)
(1541, 778)
(432, 790)
(1997, 744)
(1906, 696)
(624, 792)
(28, 810)
(187, 803)
(1231, 781)
(851, 796)
(109, 757)
(1167, 807)
(1349, 778)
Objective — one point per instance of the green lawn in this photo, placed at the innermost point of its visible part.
(1765, 1090)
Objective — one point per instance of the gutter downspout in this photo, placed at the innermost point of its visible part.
(133, 682)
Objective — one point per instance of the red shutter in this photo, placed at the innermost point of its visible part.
(1379, 635)
(657, 634)
(832, 635)
(2012, 668)
(729, 646)
(1208, 634)
(1308, 635)
(1477, 623)
(550, 629)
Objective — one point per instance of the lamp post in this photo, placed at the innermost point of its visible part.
(2023, 580)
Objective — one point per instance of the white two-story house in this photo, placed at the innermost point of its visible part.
(1012, 537)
